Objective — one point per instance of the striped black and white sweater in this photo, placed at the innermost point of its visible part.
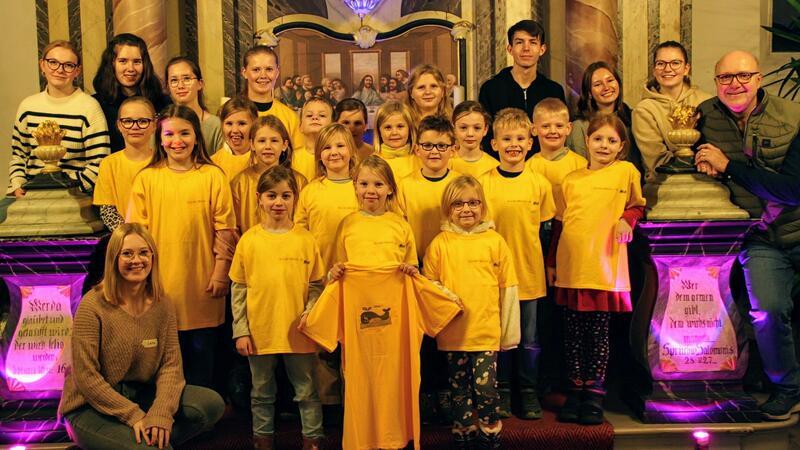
(86, 138)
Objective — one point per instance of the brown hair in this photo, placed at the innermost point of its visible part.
(199, 153)
(138, 99)
(194, 67)
(613, 121)
(469, 107)
(444, 106)
(381, 168)
(439, 124)
(273, 176)
(327, 134)
(254, 51)
(112, 279)
(275, 124)
(454, 189)
(237, 104)
(652, 83)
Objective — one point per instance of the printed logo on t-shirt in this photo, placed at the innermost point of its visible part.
(375, 316)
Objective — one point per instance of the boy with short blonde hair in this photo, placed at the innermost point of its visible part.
(316, 113)
(519, 200)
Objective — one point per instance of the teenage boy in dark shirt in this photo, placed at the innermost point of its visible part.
(521, 85)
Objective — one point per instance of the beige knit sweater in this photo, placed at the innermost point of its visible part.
(110, 346)
(650, 123)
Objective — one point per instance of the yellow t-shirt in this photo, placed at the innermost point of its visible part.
(588, 256)
(374, 241)
(379, 316)
(518, 205)
(474, 168)
(245, 198)
(321, 207)
(290, 119)
(303, 162)
(555, 171)
(114, 180)
(231, 164)
(183, 210)
(401, 161)
(475, 267)
(420, 199)
(274, 308)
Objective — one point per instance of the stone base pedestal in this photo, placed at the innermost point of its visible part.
(696, 402)
(689, 196)
(51, 212)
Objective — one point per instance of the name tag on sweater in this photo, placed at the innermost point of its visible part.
(149, 343)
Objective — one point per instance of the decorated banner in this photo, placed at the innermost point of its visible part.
(36, 354)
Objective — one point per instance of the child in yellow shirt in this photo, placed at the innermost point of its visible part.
(471, 123)
(352, 113)
(590, 271)
(395, 136)
(112, 189)
(270, 147)
(473, 261)
(185, 202)
(237, 115)
(519, 200)
(316, 113)
(277, 276)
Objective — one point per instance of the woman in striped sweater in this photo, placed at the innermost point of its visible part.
(76, 112)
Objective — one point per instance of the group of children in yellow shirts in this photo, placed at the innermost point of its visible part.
(426, 192)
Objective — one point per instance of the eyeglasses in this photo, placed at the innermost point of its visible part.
(675, 64)
(54, 64)
(429, 146)
(742, 77)
(185, 81)
(128, 122)
(128, 255)
(458, 205)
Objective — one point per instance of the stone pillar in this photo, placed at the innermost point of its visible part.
(592, 35)
(148, 20)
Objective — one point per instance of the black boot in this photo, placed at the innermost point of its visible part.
(569, 412)
(531, 408)
(488, 441)
(466, 441)
(504, 405)
(591, 409)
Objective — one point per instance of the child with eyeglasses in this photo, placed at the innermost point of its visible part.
(471, 259)
(115, 177)
(519, 200)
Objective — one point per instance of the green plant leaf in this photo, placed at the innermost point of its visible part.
(788, 35)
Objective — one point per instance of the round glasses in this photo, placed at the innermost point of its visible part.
(54, 64)
(184, 81)
(675, 64)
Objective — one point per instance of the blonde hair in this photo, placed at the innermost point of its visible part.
(112, 278)
(427, 69)
(455, 188)
(389, 109)
(274, 124)
(63, 44)
(326, 135)
(508, 118)
(381, 168)
(550, 105)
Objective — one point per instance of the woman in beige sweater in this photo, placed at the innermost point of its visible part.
(131, 394)
(669, 87)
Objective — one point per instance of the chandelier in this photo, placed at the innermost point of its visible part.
(361, 7)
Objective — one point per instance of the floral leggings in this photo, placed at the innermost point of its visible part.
(586, 346)
(473, 383)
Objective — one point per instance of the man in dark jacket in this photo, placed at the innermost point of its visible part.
(521, 85)
(752, 143)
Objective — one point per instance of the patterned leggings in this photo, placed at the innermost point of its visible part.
(586, 346)
(473, 382)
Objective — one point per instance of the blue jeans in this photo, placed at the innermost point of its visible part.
(526, 356)
(300, 369)
(769, 275)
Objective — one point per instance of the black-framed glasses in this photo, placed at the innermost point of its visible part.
(429, 146)
(742, 77)
(128, 122)
(54, 64)
(185, 81)
(458, 205)
(675, 64)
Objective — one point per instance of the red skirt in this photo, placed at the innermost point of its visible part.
(593, 300)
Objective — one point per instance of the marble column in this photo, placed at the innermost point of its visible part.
(592, 35)
(148, 20)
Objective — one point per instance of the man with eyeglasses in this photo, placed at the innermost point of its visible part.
(751, 142)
